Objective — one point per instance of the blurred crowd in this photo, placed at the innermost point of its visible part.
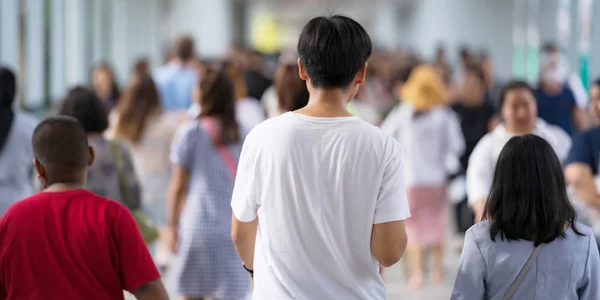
(452, 119)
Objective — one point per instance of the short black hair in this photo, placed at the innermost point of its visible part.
(60, 144)
(549, 47)
(83, 104)
(511, 86)
(528, 199)
(596, 82)
(333, 49)
(8, 87)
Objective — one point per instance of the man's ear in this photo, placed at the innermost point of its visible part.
(302, 71)
(361, 76)
(92, 156)
(39, 168)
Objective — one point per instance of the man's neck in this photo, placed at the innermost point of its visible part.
(64, 187)
(327, 103)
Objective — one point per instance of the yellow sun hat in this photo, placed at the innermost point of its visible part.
(425, 89)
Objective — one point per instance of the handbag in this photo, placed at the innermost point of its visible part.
(226, 156)
(523, 272)
(147, 228)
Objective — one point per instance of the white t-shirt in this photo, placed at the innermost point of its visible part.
(482, 161)
(428, 141)
(317, 186)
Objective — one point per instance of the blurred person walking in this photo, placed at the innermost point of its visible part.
(176, 79)
(319, 198)
(16, 157)
(430, 133)
(561, 98)
(519, 117)
(205, 153)
(288, 92)
(66, 242)
(105, 85)
(477, 118)
(148, 129)
(249, 112)
(113, 163)
(529, 244)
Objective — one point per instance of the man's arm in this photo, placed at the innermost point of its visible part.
(388, 242)
(243, 235)
(153, 290)
(580, 177)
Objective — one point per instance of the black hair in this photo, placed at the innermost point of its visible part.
(549, 47)
(60, 144)
(333, 49)
(8, 89)
(184, 48)
(511, 86)
(596, 82)
(528, 199)
(83, 104)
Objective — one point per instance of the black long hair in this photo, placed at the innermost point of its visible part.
(528, 199)
(8, 89)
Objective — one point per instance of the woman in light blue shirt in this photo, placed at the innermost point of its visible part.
(528, 207)
(16, 155)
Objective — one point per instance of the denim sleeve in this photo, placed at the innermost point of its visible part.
(469, 284)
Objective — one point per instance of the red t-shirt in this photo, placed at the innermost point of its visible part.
(71, 245)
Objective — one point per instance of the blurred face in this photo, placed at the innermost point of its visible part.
(519, 111)
(595, 103)
(102, 83)
(472, 88)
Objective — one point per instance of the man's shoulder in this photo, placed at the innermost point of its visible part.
(592, 134)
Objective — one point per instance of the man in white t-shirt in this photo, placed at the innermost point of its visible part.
(319, 198)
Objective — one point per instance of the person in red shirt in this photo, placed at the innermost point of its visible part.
(66, 242)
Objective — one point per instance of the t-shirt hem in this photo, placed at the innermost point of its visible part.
(138, 284)
(391, 217)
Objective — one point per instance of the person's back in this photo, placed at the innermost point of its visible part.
(176, 79)
(529, 244)
(66, 242)
(561, 269)
(319, 196)
(16, 128)
(322, 177)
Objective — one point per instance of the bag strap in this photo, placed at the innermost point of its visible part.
(121, 173)
(223, 151)
(524, 271)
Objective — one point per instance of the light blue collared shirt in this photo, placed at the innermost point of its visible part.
(175, 82)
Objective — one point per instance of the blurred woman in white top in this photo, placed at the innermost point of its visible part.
(519, 117)
(430, 134)
(16, 156)
(140, 120)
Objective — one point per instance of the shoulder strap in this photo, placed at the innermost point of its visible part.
(524, 271)
(223, 151)
(121, 173)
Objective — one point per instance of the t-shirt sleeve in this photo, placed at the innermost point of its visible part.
(244, 201)
(580, 151)
(589, 288)
(480, 172)
(561, 142)
(183, 145)
(469, 283)
(392, 204)
(136, 266)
